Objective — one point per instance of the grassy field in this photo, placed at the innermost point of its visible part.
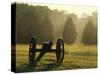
(76, 57)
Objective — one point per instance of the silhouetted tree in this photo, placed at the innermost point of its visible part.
(69, 33)
(32, 20)
(47, 30)
(89, 33)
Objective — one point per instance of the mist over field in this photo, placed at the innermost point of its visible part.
(75, 25)
(51, 24)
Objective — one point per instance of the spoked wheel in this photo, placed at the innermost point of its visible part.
(32, 52)
(59, 51)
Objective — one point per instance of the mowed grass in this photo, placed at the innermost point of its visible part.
(75, 57)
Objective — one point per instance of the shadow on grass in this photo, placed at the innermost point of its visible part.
(37, 67)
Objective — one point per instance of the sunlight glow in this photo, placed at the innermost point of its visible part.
(76, 9)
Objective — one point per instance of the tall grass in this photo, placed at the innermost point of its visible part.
(76, 56)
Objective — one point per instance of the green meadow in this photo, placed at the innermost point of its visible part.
(75, 57)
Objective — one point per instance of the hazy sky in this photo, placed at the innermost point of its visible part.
(78, 10)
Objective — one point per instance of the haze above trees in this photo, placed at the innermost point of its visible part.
(47, 24)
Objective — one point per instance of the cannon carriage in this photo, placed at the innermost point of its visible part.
(46, 47)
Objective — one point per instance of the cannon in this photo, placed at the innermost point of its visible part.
(46, 47)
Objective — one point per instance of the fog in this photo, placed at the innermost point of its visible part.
(80, 23)
(50, 22)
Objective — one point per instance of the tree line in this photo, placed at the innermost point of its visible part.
(40, 20)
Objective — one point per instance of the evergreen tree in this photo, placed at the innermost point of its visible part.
(89, 33)
(47, 29)
(69, 33)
